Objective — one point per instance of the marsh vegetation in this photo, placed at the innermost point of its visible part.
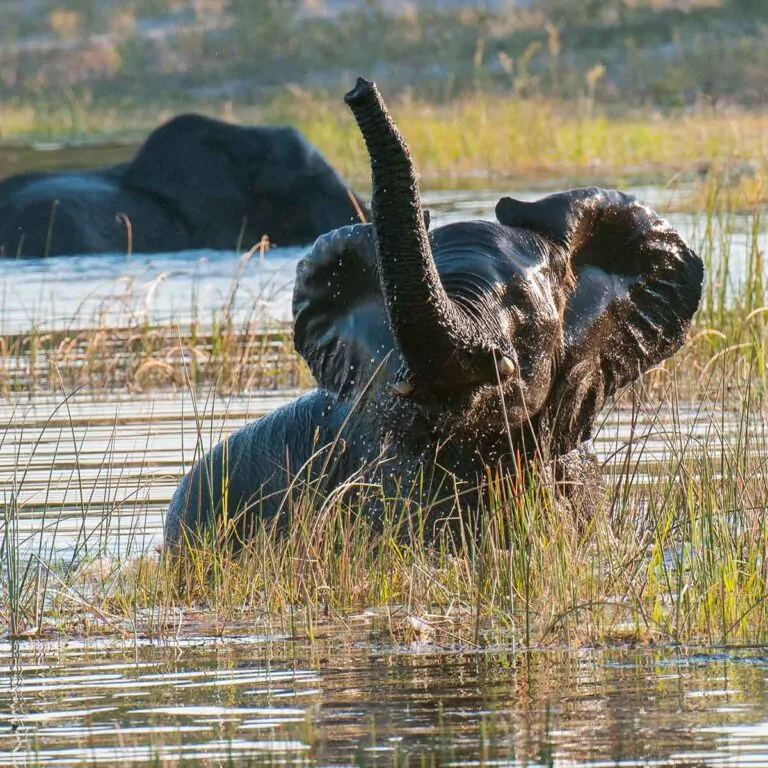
(676, 553)
(115, 374)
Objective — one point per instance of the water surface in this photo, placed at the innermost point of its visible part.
(118, 290)
(368, 699)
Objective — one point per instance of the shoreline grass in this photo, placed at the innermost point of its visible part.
(479, 138)
(676, 554)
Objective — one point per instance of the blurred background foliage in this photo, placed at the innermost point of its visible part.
(662, 54)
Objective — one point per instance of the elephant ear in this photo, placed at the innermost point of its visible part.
(636, 288)
(340, 322)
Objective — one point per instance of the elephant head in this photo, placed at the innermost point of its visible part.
(533, 320)
(230, 182)
(476, 310)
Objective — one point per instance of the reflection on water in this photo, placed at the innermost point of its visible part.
(365, 700)
(117, 291)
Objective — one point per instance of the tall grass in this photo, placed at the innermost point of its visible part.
(477, 137)
(234, 345)
(676, 553)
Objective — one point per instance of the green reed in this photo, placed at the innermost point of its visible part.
(476, 137)
(677, 551)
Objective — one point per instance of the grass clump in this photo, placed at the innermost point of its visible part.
(477, 138)
(229, 356)
(676, 553)
(233, 345)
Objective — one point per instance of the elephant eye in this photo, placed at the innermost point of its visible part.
(518, 299)
(517, 314)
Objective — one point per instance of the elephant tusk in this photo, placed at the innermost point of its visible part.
(505, 367)
(402, 388)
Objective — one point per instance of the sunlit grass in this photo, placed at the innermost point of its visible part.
(481, 137)
(677, 553)
(512, 138)
(233, 345)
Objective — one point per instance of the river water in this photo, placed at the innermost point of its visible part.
(101, 466)
(93, 472)
(364, 699)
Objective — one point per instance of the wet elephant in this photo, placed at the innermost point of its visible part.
(195, 183)
(438, 355)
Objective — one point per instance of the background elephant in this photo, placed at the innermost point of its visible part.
(195, 183)
(439, 355)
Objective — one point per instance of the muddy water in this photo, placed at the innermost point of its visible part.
(370, 700)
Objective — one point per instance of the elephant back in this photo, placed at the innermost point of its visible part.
(261, 471)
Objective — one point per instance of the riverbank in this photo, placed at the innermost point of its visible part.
(479, 139)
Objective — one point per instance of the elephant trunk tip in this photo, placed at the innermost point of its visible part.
(362, 89)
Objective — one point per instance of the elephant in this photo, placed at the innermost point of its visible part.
(440, 355)
(196, 182)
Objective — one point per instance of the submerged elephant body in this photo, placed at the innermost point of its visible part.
(440, 355)
(71, 213)
(195, 183)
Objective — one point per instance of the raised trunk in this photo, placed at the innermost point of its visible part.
(424, 320)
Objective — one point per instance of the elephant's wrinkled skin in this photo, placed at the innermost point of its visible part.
(439, 355)
(196, 182)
